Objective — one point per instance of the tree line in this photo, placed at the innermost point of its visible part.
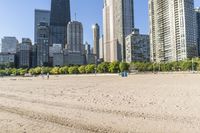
(106, 67)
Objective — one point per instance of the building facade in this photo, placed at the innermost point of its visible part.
(101, 48)
(9, 45)
(118, 22)
(40, 16)
(42, 44)
(34, 56)
(74, 37)
(24, 53)
(87, 48)
(197, 12)
(137, 47)
(59, 18)
(8, 59)
(172, 30)
(96, 37)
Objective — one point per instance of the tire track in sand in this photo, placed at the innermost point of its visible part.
(154, 117)
(63, 121)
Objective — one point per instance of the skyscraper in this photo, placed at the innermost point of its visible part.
(9, 45)
(74, 37)
(87, 48)
(197, 11)
(24, 53)
(42, 44)
(101, 48)
(59, 18)
(137, 47)
(118, 22)
(172, 30)
(96, 37)
(41, 16)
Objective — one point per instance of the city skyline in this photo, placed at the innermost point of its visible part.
(20, 28)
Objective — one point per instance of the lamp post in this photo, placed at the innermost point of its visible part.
(192, 65)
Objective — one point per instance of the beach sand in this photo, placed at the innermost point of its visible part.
(143, 103)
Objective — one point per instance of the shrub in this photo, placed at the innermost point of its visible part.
(22, 71)
(37, 70)
(2, 72)
(46, 70)
(124, 66)
(114, 67)
(54, 71)
(90, 68)
(81, 69)
(14, 72)
(103, 67)
(73, 70)
(63, 70)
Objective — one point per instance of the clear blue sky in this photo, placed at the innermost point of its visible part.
(17, 16)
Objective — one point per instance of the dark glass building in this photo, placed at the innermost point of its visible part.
(43, 44)
(59, 18)
(198, 29)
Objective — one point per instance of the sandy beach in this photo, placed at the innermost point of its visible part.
(143, 103)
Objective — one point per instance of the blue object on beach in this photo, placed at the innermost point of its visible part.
(124, 74)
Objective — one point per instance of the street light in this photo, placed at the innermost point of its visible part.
(192, 65)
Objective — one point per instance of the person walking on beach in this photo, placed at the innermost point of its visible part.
(48, 76)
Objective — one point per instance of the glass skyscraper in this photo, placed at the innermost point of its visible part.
(59, 18)
(118, 22)
(40, 16)
(198, 28)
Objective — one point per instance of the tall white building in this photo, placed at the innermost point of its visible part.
(101, 48)
(172, 30)
(96, 37)
(118, 22)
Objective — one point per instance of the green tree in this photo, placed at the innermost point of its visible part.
(124, 66)
(46, 70)
(22, 71)
(2, 72)
(90, 68)
(63, 70)
(54, 71)
(73, 70)
(37, 70)
(81, 69)
(103, 67)
(114, 67)
(14, 72)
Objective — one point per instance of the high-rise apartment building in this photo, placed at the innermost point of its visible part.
(40, 16)
(137, 47)
(59, 18)
(118, 22)
(9, 45)
(42, 44)
(8, 59)
(74, 37)
(172, 30)
(24, 53)
(197, 12)
(87, 48)
(101, 48)
(96, 37)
